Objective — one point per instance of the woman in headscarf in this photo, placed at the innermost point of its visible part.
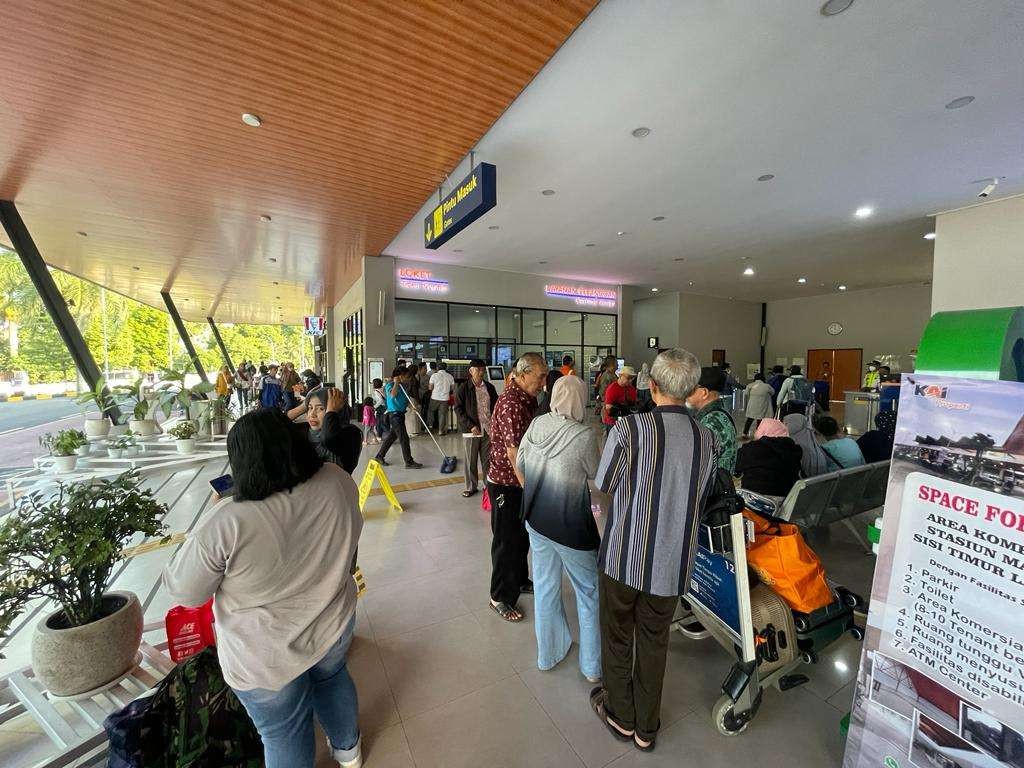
(336, 440)
(770, 463)
(814, 461)
(556, 457)
(544, 399)
(876, 445)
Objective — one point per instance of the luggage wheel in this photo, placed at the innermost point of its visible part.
(801, 624)
(726, 720)
(857, 632)
(792, 681)
(809, 657)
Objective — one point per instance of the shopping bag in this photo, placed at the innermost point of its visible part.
(782, 560)
(485, 501)
(189, 630)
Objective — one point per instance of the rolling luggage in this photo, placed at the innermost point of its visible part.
(820, 628)
(775, 631)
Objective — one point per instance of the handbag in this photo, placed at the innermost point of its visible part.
(723, 502)
(783, 561)
(485, 501)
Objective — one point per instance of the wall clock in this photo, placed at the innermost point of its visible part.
(835, 329)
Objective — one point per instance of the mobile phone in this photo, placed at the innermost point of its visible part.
(223, 485)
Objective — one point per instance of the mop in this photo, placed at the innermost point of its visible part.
(448, 463)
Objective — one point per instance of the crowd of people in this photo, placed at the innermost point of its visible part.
(278, 556)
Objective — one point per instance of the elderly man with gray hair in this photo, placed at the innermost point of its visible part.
(659, 469)
(510, 544)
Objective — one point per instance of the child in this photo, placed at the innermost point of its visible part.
(369, 422)
(380, 407)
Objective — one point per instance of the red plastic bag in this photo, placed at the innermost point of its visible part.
(485, 501)
(189, 630)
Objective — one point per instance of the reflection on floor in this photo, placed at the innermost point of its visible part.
(444, 682)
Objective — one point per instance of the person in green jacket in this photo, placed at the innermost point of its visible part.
(706, 401)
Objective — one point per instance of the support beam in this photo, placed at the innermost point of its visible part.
(183, 333)
(53, 300)
(220, 343)
(764, 336)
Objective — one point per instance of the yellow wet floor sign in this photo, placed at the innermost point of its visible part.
(374, 471)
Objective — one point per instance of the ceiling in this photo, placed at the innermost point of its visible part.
(846, 111)
(122, 144)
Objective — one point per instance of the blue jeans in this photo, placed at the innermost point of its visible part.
(553, 638)
(284, 718)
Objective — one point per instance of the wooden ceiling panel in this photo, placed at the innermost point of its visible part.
(122, 120)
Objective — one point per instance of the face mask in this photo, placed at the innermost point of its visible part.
(871, 368)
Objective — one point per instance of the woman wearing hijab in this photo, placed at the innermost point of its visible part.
(544, 398)
(814, 461)
(335, 439)
(556, 457)
(876, 445)
(770, 463)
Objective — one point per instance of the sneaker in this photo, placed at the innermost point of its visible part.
(382, 462)
(350, 758)
(414, 465)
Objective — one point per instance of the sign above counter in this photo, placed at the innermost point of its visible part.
(472, 197)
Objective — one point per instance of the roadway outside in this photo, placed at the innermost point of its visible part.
(22, 423)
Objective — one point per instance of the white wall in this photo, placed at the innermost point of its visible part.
(979, 257)
(879, 321)
(707, 323)
(653, 316)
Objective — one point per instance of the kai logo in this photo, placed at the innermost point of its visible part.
(931, 390)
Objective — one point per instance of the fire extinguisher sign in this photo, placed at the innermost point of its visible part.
(314, 325)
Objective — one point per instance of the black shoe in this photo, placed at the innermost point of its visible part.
(527, 588)
(382, 462)
(413, 465)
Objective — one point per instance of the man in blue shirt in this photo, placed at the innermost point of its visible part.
(843, 450)
(397, 403)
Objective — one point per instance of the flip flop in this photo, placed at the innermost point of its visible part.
(648, 748)
(506, 611)
(597, 704)
(467, 494)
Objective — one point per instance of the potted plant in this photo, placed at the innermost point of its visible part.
(184, 434)
(141, 402)
(84, 449)
(97, 424)
(129, 443)
(122, 445)
(173, 393)
(63, 546)
(63, 448)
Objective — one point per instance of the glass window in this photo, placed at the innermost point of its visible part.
(564, 328)
(533, 326)
(508, 324)
(599, 330)
(471, 321)
(420, 318)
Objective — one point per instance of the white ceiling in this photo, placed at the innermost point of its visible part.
(845, 111)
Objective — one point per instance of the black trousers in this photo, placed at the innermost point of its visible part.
(510, 543)
(634, 644)
(396, 431)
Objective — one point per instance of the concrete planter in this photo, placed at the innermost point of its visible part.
(114, 453)
(65, 463)
(186, 447)
(97, 427)
(143, 427)
(72, 660)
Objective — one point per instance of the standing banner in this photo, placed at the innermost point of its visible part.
(941, 680)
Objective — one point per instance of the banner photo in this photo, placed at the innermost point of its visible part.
(314, 325)
(941, 680)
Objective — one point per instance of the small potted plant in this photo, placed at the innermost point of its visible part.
(184, 434)
(63, 447)
(122, 445)
(140, 401)
(97, 424)
(62, 546)
(84, 449)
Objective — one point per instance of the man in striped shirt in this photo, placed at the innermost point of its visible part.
(658, 467)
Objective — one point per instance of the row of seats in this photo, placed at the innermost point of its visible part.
(834, 496)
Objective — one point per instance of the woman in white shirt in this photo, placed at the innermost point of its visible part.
(277, 559)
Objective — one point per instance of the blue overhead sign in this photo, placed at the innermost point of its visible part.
(472, 197)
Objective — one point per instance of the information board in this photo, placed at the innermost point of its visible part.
(941, 681)
(713, 585)
(472, 197)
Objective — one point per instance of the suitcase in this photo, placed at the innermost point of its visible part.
(817, 630)
(776, 635)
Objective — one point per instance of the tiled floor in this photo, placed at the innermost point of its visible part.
(444, 682)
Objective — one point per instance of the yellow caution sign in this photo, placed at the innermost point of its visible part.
(360, 582)
(374, 471)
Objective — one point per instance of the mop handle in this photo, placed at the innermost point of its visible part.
(425, 427)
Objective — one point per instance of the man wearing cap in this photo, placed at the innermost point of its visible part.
(872, 379)
(619, 397)
(706, 400)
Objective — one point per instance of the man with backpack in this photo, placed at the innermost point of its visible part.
(797, 388)
(706, 401)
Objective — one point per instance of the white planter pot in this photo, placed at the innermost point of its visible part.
(144, 427)
(97, 427)
(186, 447)
(72, 660)
(116, 430)
(129, 452)
(114, 453)
(65, 463)
(83, 451)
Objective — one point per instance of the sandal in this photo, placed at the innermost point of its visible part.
(507, 612)
(597, 704)
(467, 494)
(642, 748)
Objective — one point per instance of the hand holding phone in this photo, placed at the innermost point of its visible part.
(223, 486)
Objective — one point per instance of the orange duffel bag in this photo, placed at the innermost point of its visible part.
(782, 560)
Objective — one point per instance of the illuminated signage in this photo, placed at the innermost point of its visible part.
(421, 280)
(474, 196)
(585, 297)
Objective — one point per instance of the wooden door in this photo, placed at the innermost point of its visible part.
(846, 369)
(717, 357)
(815, 362)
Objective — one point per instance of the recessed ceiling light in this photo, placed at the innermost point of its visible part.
(864, 211)
(477, 311)
(264, 218)
(278, 298)
(691, 282)
(679, 258)
(547, 192)
(620, 234)
(588, 245)
(963, 101)
(276, 283)
(641, 132)
(272, 260)
(835, 7)
(456, 250)
(494, 226)
(542, 262)
(82, 234)
(930, 236)
(658, 218)
(251, 120)
(766, 177)
(137, 268)
(654, 290)
(801, 280)
(748, 271)
(842, 287)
